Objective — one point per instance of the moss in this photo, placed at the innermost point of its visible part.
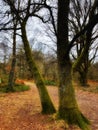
(50, 82)
(16, 88)
(68, 107)
(21, 88)
(47, 109)
(80, 59)
(47, 105)
(74, 116)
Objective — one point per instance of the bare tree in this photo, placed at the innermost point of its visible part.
(77, 23)
(22, 11)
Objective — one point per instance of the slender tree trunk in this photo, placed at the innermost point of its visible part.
(86, 62)
(11, 79)
(83, 78)
(68, 108)
(47, 105)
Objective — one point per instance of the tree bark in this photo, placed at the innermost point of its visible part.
(47, 105)
(68, 108)
(11, 80)
(83, 80)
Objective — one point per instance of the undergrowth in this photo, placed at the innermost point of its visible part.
(50, 82)
(17, 88)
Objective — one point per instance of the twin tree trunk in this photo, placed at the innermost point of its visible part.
(47, 105)
(68, 108)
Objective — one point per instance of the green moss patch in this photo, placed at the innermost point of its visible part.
(50, 82)
(16, 88)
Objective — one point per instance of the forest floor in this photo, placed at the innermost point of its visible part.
(22, 110)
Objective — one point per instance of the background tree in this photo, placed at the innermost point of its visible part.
(22, 68)
(47, 64)
(50, 68)
(77, 23)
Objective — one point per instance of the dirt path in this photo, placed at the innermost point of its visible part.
(21, 111)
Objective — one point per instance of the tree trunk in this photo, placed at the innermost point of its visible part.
(47, 105)
(83, 78)
(11, 79)
(68, 108)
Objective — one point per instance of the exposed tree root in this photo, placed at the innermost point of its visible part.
(74, 116)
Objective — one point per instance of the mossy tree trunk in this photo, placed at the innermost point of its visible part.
(68, 108)
(47, 105)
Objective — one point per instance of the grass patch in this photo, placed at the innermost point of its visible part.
(50, 82)
(21, 88)
(17, 88)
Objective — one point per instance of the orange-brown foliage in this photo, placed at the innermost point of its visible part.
(19, 81)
